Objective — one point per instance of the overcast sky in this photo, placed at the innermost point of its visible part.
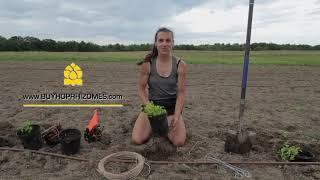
(135, 21)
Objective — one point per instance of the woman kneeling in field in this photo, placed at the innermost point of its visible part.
(165, 76)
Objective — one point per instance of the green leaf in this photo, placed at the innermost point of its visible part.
(288, 152)
(26, 128)
(154, 110)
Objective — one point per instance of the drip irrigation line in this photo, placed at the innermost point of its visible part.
(165, 162)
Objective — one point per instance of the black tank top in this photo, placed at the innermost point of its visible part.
(162, 88)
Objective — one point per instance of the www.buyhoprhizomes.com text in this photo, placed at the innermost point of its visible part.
(72, 96)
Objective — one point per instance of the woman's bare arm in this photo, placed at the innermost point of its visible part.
(181, 88)
(143, 79)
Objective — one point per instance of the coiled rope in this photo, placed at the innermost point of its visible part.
(123, 155)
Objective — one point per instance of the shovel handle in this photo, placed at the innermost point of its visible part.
(245, 65)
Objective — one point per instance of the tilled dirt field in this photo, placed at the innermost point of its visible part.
(283, 105)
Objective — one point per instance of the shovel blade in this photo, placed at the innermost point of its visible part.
(239, 142)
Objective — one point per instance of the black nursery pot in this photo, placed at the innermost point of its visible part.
(70, 141)
(159, 124)
(304, 156)
(33, 140)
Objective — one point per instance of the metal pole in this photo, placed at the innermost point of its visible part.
(245, 66)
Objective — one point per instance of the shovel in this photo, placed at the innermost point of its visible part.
(241, 142)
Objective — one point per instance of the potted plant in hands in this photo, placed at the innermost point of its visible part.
(157, 116)
(30, 136)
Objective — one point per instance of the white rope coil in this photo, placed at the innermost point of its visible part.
(134, 172)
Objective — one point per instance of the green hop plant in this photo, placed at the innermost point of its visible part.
(288, 152)
(153, 110)
(27, 128)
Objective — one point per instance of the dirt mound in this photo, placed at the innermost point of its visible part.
(159, 148)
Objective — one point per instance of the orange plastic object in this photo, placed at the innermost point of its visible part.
(94, 121)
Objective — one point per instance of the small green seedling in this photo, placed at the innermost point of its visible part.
(288, 153)
(153, 110)
(27, 128)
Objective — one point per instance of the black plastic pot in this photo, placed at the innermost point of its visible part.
(304, 156)
(70, 141)
(31, 140)
(159, 124)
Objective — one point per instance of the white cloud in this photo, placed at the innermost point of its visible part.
(207, 18)
(193, 21)
(275, 21)
(292, 22)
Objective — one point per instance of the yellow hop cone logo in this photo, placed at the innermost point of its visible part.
(73, 75)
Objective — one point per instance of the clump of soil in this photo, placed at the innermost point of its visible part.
(7, 134)
(6, 128)
(6, 142)
(159, 149)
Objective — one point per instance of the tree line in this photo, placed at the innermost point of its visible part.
(28, 43)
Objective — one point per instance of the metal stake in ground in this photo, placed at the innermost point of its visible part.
(240, 142)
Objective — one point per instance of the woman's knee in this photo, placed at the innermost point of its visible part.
(179, 141)
(141, 130)
(137, 139)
